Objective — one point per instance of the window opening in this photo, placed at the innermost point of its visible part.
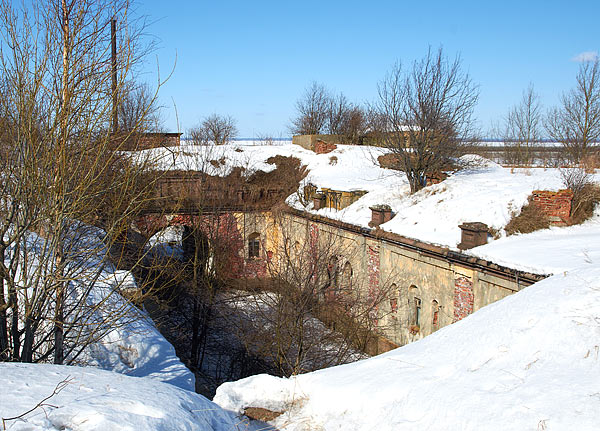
(254, 245)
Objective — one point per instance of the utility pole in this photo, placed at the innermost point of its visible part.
(113, 34)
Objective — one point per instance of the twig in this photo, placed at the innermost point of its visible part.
(58, 388)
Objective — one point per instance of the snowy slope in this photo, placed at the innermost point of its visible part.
(132, 345)
(484, 192)
(137, 348)
(529, 361)
(548, 251)
(100, 400)
(147, 387)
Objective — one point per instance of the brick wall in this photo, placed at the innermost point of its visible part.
(322, 147)
(224, 235)
(373, 268)
(141, 141)
(556, 205)
(463, 298)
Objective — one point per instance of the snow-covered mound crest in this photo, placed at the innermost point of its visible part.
(481, 192)
(93, 399)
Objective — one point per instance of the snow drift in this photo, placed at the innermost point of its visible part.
(94, 399)
(529, 361)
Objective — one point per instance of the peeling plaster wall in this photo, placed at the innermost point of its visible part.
(382, 266)
(446, 289)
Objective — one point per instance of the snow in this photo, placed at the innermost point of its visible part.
(136, 348)
(145, 386)
(483, 192)
(529, 361)
(94, 399)
(548, 251)
(133, 345)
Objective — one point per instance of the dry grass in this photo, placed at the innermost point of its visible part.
(584, 201)
(495, 233)
(530, 219)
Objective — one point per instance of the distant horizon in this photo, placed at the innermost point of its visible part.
(282, 139)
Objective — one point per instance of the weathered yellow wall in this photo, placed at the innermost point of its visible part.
(390, 267)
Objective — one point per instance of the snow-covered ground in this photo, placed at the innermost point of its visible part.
(528, 362)
(138, 349)
(548, 251)
(97, 400)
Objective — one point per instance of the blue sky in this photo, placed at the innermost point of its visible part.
(253, 59)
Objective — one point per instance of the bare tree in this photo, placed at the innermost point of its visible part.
(197, 136)
(336, 113)
(523, 128)
(318, 111)
(65, 196)
(576, 122)
(312, 111)
(316, 312)
(428, 115)
(346, 120)
(215, 128)
(355, 125)
(138, 109)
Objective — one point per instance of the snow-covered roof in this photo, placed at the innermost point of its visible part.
(484, 192)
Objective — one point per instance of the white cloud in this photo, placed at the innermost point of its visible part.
(586, 56)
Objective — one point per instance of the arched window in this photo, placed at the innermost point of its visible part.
(347, 278)
(414, 303)
(253, 245)
(435, 315)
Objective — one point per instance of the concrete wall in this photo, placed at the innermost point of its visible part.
(319, 143)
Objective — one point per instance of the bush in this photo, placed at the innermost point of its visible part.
(586, 194)
(584, 202)
(530, 219)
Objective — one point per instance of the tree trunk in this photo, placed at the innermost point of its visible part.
(59, 336)
(14, 305)
(4, 353)
(195, 344)
(59, 185)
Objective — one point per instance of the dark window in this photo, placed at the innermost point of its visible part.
(332, 273)
(254, 245)
(394, 298)
(414, 304)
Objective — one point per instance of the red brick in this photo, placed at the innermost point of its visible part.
(463, 298)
